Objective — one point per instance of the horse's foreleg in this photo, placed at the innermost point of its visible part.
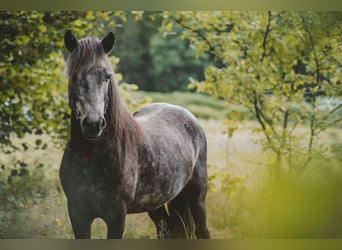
(115, 220)
(80, 221)
(116, 228)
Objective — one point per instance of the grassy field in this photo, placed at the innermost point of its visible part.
(238, 201)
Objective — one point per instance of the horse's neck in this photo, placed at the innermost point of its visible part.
(124, 128)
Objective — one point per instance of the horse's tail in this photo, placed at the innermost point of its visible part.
(180, 218)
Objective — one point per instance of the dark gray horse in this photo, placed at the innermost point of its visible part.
(116, 163)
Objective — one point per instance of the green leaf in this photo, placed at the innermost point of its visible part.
(39, 132)
(38, 142)
(42, 28)
(78, 23)
(14, 172)
(23, 164)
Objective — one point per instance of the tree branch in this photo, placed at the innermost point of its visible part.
(212, 50)
(313, 47)
(313, 132)
(286, 117)
(268, 28)
(311, 140)
(264, 121)
(336, 108)
(293, 127)
(258, 116)
(327, 126)
(326, 118)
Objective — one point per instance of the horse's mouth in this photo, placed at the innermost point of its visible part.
(92, 137)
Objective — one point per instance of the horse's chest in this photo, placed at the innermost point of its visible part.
(89, 181)
(95, 181)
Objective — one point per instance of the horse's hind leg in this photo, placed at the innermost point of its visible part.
(162, 223)
(195, 192)
(181, 221)
(198, 210)
(176, 222)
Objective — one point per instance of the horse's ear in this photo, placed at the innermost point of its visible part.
(108, 43)
(70, 41)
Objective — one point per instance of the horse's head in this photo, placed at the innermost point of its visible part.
(90, 74)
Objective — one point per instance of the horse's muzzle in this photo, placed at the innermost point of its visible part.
(92, 128)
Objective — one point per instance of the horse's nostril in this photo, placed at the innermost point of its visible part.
(86, 122)
(102, 123)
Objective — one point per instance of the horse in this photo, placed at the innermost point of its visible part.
(117, 163)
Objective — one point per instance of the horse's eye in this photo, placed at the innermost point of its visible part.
(107, 76)
(77, 113)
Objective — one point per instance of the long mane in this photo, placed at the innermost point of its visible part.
(122, 132)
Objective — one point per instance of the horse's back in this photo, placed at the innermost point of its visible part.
(165, 113)
(169, 120)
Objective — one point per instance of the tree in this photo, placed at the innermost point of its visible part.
(132, 47)
(276, 64)
(153, 59)
(174, 63)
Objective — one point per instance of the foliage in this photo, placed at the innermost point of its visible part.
(153, 59)
(25, 201)
(173, 63)
(133, 41)
(276, 64)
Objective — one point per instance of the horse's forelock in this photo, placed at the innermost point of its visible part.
(86, 55)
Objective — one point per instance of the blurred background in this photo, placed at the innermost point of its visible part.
(266, 87)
